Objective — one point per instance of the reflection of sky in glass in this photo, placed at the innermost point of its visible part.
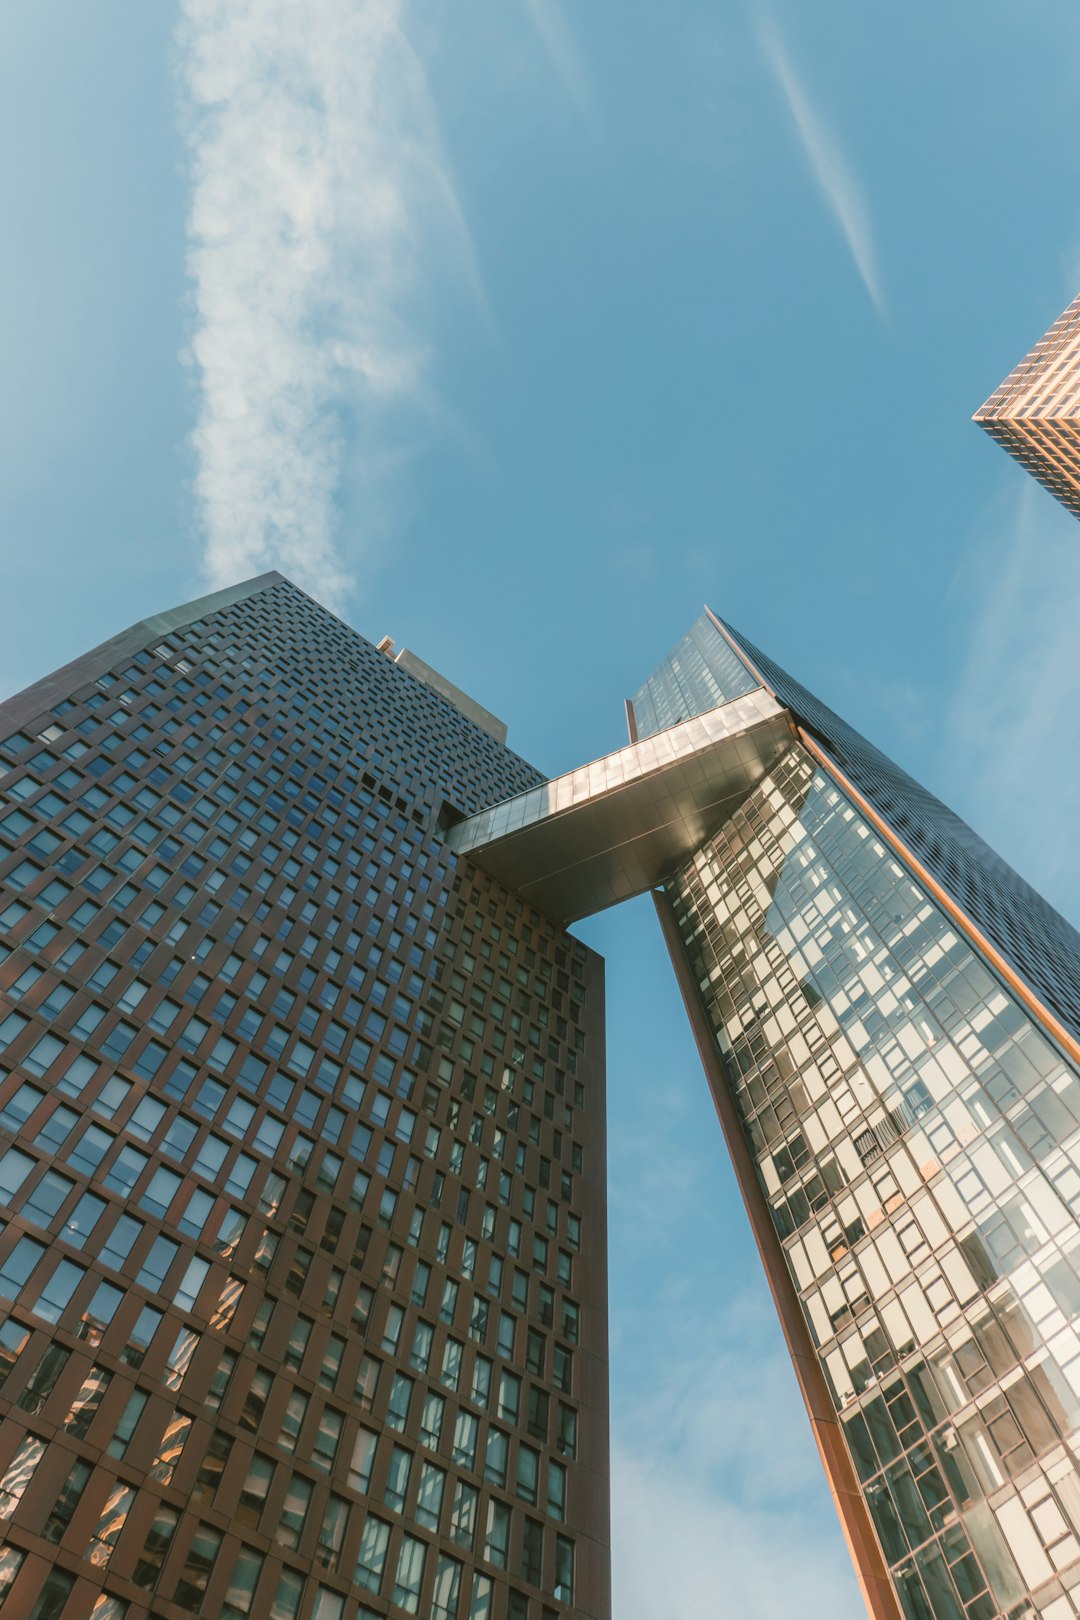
(698, 675)
(919, 1141)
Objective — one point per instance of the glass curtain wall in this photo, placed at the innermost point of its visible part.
(918, 1138)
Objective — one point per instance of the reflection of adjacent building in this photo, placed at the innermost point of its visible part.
(1035, 413)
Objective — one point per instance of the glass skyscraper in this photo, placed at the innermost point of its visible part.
(302, 1098)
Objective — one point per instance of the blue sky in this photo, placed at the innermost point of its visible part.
(519, 330)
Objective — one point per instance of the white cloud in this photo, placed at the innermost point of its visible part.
(1012, 731)
(558, 41)
(320, 199)
(836, 180)
(716, 1483)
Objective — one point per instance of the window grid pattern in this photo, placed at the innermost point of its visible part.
(1035, 413)
(1035, 940)
(301, 1153)
(918, 1140)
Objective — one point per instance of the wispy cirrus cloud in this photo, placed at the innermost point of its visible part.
(836, 180)
(319, 191)
(1011, 727)
(557, 39)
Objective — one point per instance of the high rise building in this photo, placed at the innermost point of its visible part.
(889, 1020)
(302, 1259)
(1035, 413)
(303, 1157)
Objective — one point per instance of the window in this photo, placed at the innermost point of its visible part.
(42, 1380)
(13, 1339)
(397, 1411)
(82, 1220)
(251, 1413)
(556, 1491)
(567, 1435)
(429, 1496)
(187, 1342)
(140, 1335)
(42, 1202)
(497, 1537)
(535, 1348)
(155, 1266)
(211, 1469)
(463, 1514)
(111, 1521)
(372, 1554)
(67, 1501)
(10, 1564)
(241, 1589)
(16, 1269)
(291, 1424)
(466, 1429)
(397, 1479)
(127, 1423)
(332, 1532)
(220, 1381)
(480, 1607)
(410, 1574)
(19, 1473)
(498, 1448)
(290, 1589)
(254, 1491)
(156, 1547)
(294, 1511)
(451, 1364)
(509, 1396)
(171, 1448)
(109, 1608)
(53, 1596)
(532, 1552)
(564, 1569)
(528, 1473)
(447, 1589)
(117, 1244)
(85, 1406)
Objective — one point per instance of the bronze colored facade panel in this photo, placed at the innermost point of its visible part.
(302, 1263)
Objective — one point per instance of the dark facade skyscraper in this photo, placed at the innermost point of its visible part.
(302, 1264)
(303, 1268)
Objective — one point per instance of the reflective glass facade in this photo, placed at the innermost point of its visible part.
(302, 1260)
(701, 673)
(1036, 942)
(914, 1131)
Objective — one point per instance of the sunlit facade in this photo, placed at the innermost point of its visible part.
(910, 1105)
(1035, 413)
